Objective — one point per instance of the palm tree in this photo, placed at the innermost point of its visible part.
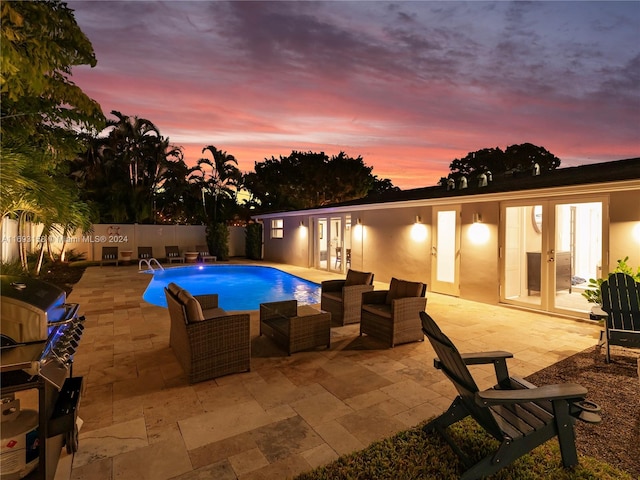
(221, 182)
(124, 171)
(29, 191)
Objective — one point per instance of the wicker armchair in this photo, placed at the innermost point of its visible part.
(393, 315)
(207, 341)
(343, 298)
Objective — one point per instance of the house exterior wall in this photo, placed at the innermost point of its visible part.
(479, 261)
(389, 250)
(383, 243)
(624, 227)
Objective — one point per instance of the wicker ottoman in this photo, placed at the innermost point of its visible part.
(294, 329)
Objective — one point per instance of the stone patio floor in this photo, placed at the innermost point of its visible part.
(289, 414)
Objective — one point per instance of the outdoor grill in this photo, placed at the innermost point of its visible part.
(39, 331)
(39, 334)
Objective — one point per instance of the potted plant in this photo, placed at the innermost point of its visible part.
(593, 294)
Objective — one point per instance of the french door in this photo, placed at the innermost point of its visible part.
(445, 251)
(333, 252)
(549, 251)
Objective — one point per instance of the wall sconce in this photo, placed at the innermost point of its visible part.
(358, 221)
(302, 223)
(418, 230)
(479, 232)
(636, 232)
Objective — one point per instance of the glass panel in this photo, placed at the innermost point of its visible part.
(322, 243)
(522, 254)
(578, 252)
(337, 252)
(446, 242)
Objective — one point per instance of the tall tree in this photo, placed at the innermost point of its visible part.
(123, 173)
(514, 160)
(218, 179)
(308, 179)
(42, 110)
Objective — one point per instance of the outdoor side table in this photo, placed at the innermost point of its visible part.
(295, 328)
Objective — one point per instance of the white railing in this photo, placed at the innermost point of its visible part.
(149, 263)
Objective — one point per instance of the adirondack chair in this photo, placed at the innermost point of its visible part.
(621, 301)
(515, 412)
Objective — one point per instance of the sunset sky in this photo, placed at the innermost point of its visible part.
(409, 86)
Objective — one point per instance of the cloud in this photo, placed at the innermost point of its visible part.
(408, 85)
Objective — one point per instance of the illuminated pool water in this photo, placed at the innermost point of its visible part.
(239, 287)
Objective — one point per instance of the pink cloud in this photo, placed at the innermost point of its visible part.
(409, 87)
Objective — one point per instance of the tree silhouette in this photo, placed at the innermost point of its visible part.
(516, 160)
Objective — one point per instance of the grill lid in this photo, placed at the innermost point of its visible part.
(42, 295)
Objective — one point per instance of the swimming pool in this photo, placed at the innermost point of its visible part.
(239, 287)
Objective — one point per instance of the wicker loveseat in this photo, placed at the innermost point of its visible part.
(393, 315)
(207, 341)
(343, 298)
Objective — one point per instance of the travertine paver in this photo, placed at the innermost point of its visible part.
(289, 413)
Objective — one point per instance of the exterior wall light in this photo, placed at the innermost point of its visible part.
(636, 232)
(478, 231)
(358, 221)
(418, 230)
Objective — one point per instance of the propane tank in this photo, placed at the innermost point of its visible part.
(20, 441)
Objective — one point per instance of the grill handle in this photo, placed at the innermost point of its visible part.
(70, 314)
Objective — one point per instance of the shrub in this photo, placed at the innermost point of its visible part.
(218, 240)
(593, 295)
(253, 243)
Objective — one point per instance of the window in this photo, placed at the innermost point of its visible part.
(277, 228)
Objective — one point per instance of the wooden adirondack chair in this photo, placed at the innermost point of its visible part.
(621, 301)
(515, 412)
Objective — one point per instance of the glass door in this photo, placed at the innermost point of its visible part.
(333, 253)
(445, 251)
(322, 245)
(550, 251)
(522, 255)
(578, 253)
(337, 252)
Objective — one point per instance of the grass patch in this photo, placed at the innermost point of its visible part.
(414, 454)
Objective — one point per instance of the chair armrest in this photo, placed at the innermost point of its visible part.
(477, 358)
(565, 391)
(498, 358)
(207, 301)
(332, 285)
(375, 296)
(407, 306)
(480, 358)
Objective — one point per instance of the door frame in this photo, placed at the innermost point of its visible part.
(549, 234)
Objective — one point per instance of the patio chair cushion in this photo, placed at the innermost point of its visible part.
(355, 277)
(379, 309)
(192, 306)
(336, 296)
(403, 289)
(174, 288)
